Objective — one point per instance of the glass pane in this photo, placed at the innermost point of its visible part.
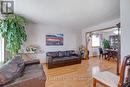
(95, 40)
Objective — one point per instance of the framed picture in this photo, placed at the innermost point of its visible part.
(54, 40)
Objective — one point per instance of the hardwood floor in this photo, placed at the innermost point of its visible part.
(79, 75)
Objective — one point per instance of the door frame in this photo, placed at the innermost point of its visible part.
(119, 44)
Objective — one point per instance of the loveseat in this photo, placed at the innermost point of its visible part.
(19, 73)
(62, 58)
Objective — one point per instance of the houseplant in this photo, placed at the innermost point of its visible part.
(82, 51)
(12, 29)
(106, 44)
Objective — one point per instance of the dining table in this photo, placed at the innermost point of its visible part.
(112, 53)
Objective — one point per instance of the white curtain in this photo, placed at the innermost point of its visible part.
(1, 50)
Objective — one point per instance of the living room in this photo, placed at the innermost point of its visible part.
(44, 43)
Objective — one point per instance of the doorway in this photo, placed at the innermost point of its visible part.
(108, 40)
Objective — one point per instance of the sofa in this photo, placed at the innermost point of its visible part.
(20, 73)
(62, 58)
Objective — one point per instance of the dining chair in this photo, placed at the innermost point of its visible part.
(109, 79)
(102, 53)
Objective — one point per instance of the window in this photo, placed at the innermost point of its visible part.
(1, 50)
(95, 40)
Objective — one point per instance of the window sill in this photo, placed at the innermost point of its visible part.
(95, 46)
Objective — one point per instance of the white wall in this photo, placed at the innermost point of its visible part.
(97, 27)
(36, 36)
(107, 34)
(125, 27)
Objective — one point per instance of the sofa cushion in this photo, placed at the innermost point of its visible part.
(76, 55)
(5, 76)
(59, 54)
(16, 60)
(62, 54)
(53, 54)
(58, 59)
(20, 65)
(67, 53)
(11, 70)
(65, 58)
(72, 52)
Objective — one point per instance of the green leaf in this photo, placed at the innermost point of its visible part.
(12, 28)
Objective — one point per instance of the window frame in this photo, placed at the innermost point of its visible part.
(99, 41)
(2, 50)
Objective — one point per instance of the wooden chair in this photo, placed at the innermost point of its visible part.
(109, 79)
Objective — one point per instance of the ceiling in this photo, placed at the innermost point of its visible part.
(73, 14)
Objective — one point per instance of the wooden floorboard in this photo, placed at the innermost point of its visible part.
(79, 75)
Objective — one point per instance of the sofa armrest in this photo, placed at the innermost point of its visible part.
(31, 62)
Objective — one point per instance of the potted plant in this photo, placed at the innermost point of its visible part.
(106, 44)
(12, 29)
(82, 51)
